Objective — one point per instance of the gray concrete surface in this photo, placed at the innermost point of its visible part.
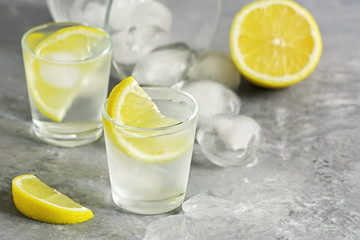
(305, 185)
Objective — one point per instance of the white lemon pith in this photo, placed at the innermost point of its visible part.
(130, 105)
(54, 84)
(275, 43)
(38, 201)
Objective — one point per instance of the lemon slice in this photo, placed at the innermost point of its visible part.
(38, 201)
(54, 85)
(275, 43)
(130, 105)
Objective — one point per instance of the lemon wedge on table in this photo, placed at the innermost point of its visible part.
(132, 107)
(275, 43)
(53, 85)
(38, 201)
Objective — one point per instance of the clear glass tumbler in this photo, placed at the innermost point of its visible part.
(67, 68)
(149, 168)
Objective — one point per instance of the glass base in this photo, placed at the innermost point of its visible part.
(149, 207)
(65, 138)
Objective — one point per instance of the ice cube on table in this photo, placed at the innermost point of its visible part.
(216, 66)
(208, 204)
(230, 140)
(213, 98)
(132, 44)
(167, 228)
(164, 66)
(210, 217)
(206, 217)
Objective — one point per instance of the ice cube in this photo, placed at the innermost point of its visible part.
(208, 204)
(85, 11)
(120, 13)
(198, 156)
(206, 217)
(60, 76)
(216, 66)
(151, 13)
(166, 228)
(209, 217)
(134, 43)
(165, 65)
(213, 98)
(229, 140)
(137, 27)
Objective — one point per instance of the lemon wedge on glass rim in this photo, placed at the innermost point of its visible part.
(134, 124)
(54, 84)
(275, 43)
(38, 201)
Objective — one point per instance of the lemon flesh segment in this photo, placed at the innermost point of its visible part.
(54, 86)
(130, 105)
(38, 201)
(275, 43)
(71, 43)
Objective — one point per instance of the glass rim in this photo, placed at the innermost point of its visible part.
(191, 117)
(66, 23)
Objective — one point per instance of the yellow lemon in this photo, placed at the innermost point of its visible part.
(38, 201)
(131, 106)
(275, 43)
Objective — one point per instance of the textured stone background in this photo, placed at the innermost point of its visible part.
(305, 185)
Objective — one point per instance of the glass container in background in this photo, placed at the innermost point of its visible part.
(139, 26)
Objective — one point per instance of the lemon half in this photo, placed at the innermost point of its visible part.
(275, 43)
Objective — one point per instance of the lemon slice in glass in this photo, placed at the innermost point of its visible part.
(141, 129)
(38, 201)
(275, 43)
(55, 77)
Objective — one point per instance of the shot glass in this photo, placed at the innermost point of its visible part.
(67, 68)
(149, 167)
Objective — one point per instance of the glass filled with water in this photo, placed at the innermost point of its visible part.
(67, 68)
(141, 181)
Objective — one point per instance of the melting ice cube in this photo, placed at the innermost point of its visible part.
(216, 66)
(228, 140)
(151, 13)
(206, 217)
(212, 97)
(208, 204)
(133, 43)
(166, 228)
(60, 76)
(138, 27)
(165, 65)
